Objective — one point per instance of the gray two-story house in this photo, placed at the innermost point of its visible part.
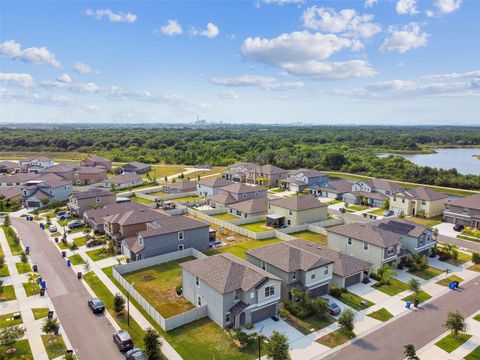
(302, 179)
(235, 292)
(211, 186)
(236, 192)
(46, 190)
(464, 211)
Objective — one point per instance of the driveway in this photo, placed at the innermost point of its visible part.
(268, 326)
(90, 335)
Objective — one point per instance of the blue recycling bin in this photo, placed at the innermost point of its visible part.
(69, 263)
(42, 226)
(39, 279)
(408, 304)
(43, 285)
(27, 249)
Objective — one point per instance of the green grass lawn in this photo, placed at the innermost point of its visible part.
(311, 236)
(160, 171)
(55, 234)
(98, 254)
(310, 324)
(377, 212)
(54, 345)
(225, 216)
(141, 200)
(23, 268)
(239, 248)
(449, 343)
(356, 207)
(62, 246)
(16, 249)
(4, 271)
(275, 190)
(8, 293)
(425, 222)
(474, 355)
(157, 285)
(477, 317)
(8, 320)
(40, 313)
(381, 315)
(81, 241)
(395, 287)
(32, 288)
(76, 259)
(462, 259)
(258, 226)
(445, 282)
(427, 274)
(335, 338)
(354, 300)
(186, 198)
(77, 230)
(23, 351)
(421, 296)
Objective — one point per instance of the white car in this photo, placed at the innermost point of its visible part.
(52, 229)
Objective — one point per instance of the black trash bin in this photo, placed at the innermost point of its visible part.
(42, 292)
(56, 240)
(416, 302)
(50, 314)
(64, 253)
(79, 275)
(35, 268)
(57, 330)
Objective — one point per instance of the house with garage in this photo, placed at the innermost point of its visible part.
(236, 192)
(180, 187)
(374, 199)
(167, 235)
(92, 198)
(249, 208)
(296, 210)
(381, 186)
(266, 175)
(234, 291)
(333, 189)
(381, 242)
(123, 181)
(135, 167)
(46, 190)
(9, 167)
(97, 161)
(34, 164)
(421, 201)
(464, 211)
(15, 180)
(95, 217)
(211, 186)
(88, 175)
(240, 172)
(65, 170)
(302, 179)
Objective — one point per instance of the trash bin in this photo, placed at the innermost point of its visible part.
(416, 302)
(56, 240)
(64, 253)
(27, 250)
(79, 275)
(43, 285)
(35, 268)
(408, 304)
(69, 352)
(42, 292)
(456, 283)
(69, 263)
(57, 329)
(50, 314)
(39, 280)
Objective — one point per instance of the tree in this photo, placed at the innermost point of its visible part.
(347, 321)
(386, 272)
(152, 344)
(10, 334)
(50, 326)
(118, 303)
(6, 221)
(1, 288)
(277, 347)
(23, 257)
(2, 260)
(410, 352)
(386, 204)
(455, 323)
(414, 285)
(476, 258)
(198, 177)
(73, 246)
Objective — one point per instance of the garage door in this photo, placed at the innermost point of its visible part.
(449, 219)
(351, 280)
(463, 222)
(319, 291)
(265, 313)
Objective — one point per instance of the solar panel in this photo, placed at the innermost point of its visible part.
(397, 227)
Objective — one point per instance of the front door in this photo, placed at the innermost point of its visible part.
(242, 319)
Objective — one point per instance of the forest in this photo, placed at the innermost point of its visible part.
(347, 149)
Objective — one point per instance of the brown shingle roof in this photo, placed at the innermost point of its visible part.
(10, 193)
(91, 193)
(132, 217)
(370, 195)
(299, 203)
(226, 273)
(183, 185)
(9, 165)
(171, 225)
(61, 168)
(269, 169)
(383, 185)
(223, 198)
(470, 202)
(240, 188)
(307, 172)
(89, 170)
(137, 165)
(424, 193)
(123, 178)
(18, 178)
(97, 215)
(252, 206)
(368, 233)
(336, 186)
(215, 182)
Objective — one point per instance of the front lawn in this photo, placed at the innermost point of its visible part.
(258, 226)
(449, 343)
(23, 351)
(474, 355)
(356, 207)
(225, 216)
(54, 345)
(76, 259)
(81, 241)
(426, 222)
(381, 315)
(421, 296)
(99, 254)
(477, 317)
(77, 230)
(311, 236)
(40, 313)
(308, 325)
(395, 287)
(8, 293)
(10, 234)
(23, 268)
(335, 338)
(8, 320)
(447, 281)
(31, 288)
(377, 212)
(141, 200)
(354, 301)
(4, 271)
(462, 259)
(427, 274)
(238, 248)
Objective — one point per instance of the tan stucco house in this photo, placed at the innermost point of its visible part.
(421, 201)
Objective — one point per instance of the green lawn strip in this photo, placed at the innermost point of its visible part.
(8, 293)
(4, 271)
(142, 200)
(356, 207)
(225, 216)
(256, 226)
(40, 313)
(310, 324)
(81, 241)
(377, 212)
(477, 317)
(98, 254)
(23, 351)
(311, 236)
(31, 288)
(421, 296)
(474, 268)
(240, 248)
(54, 345)
(55, 234)
(474, 355)
(62, 246)
(463, 237)
(8, 320)
(335, 338)
(447, 281)
(426, 222)
(381, 315)
(395, 287)
(23, 268)
(449, 343)
(76, 259)
(354, 300)
(427, 274)
(16, 249)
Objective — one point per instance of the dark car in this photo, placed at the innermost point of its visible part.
(459, 227)
(388, 213)
(123, 340)
(136, 354)
(334, 309)
(96, 305)
(75, 224)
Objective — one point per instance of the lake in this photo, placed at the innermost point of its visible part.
(464, 160)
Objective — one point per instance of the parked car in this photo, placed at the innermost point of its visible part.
(96, 305)
(459, 227)
(216, 243)
(93, 242)
(388, 213)
(123, 340)
(63, 215)
(52, 228)
(136, 354)
(75, 224)
(334, 309)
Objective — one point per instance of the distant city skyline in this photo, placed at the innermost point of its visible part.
(385, 62)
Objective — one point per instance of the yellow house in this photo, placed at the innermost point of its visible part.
(420, 201)
(296, 210)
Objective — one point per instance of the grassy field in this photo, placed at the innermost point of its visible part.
(187, 198)
(141, 200)
(310, 324)
(16, 249)
(202, 173)
(76, 260)
(160, 171)
(354, 301)
(8, 320)
(157, 285)
(225, 216)
(421, 297)
(258, 226)
(8, 293)
(54, 345)
(395, 287)
(239, 248)
(449, 343)
(31, 288)
(40, 313)
(335, 338)
(474, 355)
(23, 351)
(445, 282)
(23, 268)
(426, 222)
(98, 254)
(311, 236)
(381, 315)
(427, 274)
(356, 207)
(377, 212)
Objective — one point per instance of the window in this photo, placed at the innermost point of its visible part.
(256, 193)
(181, 247)
(252, 295)
(269, 291)
(349, 241)
(197, 281)
(269, 207)
(465, 211)
(290, 212)
(245, 216)
(424, 202)
(365, 246)
(312, 276)
(263, 265)
(199, 301)
(98, 199)
(227, 318)
(140, 241)
(403, 201)
(325, 272)
(180, 235)
(289, 222)
(231, 211)
(236, 295)
(239, 213)
(294, 275)
(244, 196)
(390, 250)
(394, 199)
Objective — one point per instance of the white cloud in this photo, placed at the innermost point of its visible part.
(267, 83)
(65, 78)
(283, 86)
(283, 2)
(84, 88)
(454, 75)
(406, 7)
(404, 39)
(111, 15)
(33, 55)
(318, 70)
(171, 28)
(227, 94)
(448, 6)
(22, 80)
(210, 32)
(82, 68)
(370, 3)
(429, 13)
(347, 22)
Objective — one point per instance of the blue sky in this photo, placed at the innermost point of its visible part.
(396, 62)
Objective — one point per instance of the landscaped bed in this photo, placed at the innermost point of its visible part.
(421, 296)
(22, 352)
(393, 288)
(474, 355)
(31, 288)
(381, 315)
(354, 301)
(157, 285)
(23, 268)
(99, 254)
(8, 320)
(311, 236)
(4, 271)
(238, 248)
(309, 324)
(54, 345)
(76, 260)
(427, 274)
(15, 248)
(447, 281)
(335, 338)
(449, 343)
(8, 293)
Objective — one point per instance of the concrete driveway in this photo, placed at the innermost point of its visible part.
(268, 326)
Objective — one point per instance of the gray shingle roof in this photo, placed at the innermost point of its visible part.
(470, 202)
(252, 206)
(269, 169)
(132, 217)
(336, 186)
(307, 172)
(383, 185)
(97, 215)
(240, 188)
(215, 182)
(172, 224)
(124, 178)
(183, 185)
(299, 203)
(424, 193)
(91, 193)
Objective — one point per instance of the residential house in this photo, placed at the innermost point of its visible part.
(301, 179)
(464, 211)
(373, 192)
(94, 217)
(296, 210)
(249, 208)
(34, 164)
(381, 242)
(235, 292)
(333, 189)
(123, 181)
(90, 199)
(135, 167)
(9, 167)
(210, 186)
(236, 192)
(15, 180)
(421, 201)
(97, 161)
(167, 235)
(374, 199)
(65, 170)
(11, 196)
(266, 175)
(180, 187)
(238, 172)
(87, 175)
(46, 190)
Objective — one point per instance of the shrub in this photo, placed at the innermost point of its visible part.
(277, 347)
(249, 326)
(243, 339)
(152, 344)
(118, 303)
(375, 276)
(336, 292)
(178, 289)
(347, 320)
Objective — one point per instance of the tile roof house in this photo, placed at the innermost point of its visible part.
(94, 217)
(97, 161)
(123, 181)
(136, 168)
(89, 199)
(464, 211)
(180, 187)
(211, 185)
(421, 201)
(296, 210)
(236, 192)
(301, 179)
(235, 292)
(249, 208)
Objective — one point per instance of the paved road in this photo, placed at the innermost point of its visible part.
(418, 328)
(462, 243)
(90, 335)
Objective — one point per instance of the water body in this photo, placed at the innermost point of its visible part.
(464, 160)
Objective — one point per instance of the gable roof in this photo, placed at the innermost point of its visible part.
(269, 169)
(91, 193)
(172, 224)
(132, 217)
(307, 172)
(123, 178)
(226, 273)
(241, 188)
(135, 164)
(336, 186)
(247, 165)
(8, 165)
(299, 203)
(223, 198)
(97, 215)
(215, 182)
(89, 170)
(370, 195)
(470, 202)
(424, 193)
(10, 193)
(252, 206)
(18, 178)
(62, 168)
(182, 185)
(383, 184)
